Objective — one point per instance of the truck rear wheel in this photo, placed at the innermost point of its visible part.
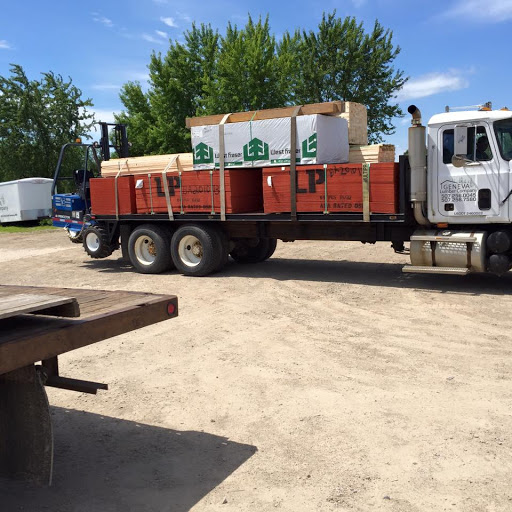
(96, 242)
(148, 249)
(198, 250)
(247, 252)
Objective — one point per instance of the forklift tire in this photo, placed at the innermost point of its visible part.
(96, 243)
(75, 237)
(198, 250)
(148, 249)
(247, 253)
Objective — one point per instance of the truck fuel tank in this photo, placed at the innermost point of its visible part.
(446, 248)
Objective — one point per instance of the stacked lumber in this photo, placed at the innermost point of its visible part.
(334, 188)
(103, 195)
(354, 113)
(199, 192)
(147, 164)
(372, 154)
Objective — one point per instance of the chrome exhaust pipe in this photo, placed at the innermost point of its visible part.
(418, 164)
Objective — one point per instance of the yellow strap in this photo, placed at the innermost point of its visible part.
(221, 167)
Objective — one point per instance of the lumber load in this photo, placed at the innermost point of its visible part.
(147, 164)
(332, 188)
(372, 154)
(199, 192)
(103, 196)
(354, 113)
(252, 144)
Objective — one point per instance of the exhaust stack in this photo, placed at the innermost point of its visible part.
(418, 163)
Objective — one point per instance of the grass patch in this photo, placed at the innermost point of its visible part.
(27, 227)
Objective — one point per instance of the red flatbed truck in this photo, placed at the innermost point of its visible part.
(452, 206)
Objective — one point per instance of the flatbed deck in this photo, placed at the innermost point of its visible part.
(88, 316)
(27, 339)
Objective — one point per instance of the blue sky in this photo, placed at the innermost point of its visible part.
(454, 51)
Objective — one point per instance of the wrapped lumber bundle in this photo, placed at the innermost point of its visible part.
(332, 188)
(353, 113)
(319, 139)
(372, 154)
(147, 164)
(199, 192)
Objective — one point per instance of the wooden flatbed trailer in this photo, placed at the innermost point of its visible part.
(39, 324)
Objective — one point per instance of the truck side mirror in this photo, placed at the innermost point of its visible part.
(460, 161)
(461, 141)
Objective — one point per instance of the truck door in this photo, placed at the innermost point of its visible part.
(471, 193)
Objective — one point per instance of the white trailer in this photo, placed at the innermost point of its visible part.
(25, 200)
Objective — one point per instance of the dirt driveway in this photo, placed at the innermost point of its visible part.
(323, 379)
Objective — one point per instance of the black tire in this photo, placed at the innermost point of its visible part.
(198, 250)
(244, 252)
(96, 243)
(148, 249)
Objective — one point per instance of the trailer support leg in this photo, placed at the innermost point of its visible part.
(26, 436)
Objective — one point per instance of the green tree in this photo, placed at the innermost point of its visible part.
(248, 69)
(342, 62)
(247, 74)
(156, 119)
(36, 118)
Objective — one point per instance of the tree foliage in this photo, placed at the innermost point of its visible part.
(36, 118)
(250, 69)
(342, 62)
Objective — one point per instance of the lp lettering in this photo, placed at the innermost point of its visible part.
(173, 182)
(315, 177)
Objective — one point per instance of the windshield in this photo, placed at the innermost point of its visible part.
(503, 130)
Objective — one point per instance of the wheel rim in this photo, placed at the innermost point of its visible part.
(190, 251)
(92, 241)
(145, 250)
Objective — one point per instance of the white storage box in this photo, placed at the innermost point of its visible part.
(27, 199)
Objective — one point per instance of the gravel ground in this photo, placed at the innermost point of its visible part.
(323, 379)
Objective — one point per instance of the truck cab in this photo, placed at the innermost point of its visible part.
(460, 192)
(468, 156)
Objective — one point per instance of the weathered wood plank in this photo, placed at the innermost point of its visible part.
(17, 304)
(328, 108)
(28, 339)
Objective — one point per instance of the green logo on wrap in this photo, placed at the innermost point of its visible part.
(203, 154)
(309, 147)
(256, 149)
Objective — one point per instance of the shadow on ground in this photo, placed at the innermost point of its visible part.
(107, 464)
(348, 272)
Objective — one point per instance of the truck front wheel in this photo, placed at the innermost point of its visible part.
(254, 251)
(198, 250)
(148, 249)
(96, 243)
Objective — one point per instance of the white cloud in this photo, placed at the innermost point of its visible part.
(98, 18)
(168, 21)
(432, 83)
(137, 75)
(4, 45)
(358, 3)
(152, 39)
(184, 16)
(491, 11)
(105, 87)
(105, 115)
(163, 34)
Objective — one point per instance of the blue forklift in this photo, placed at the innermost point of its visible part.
(71, 198)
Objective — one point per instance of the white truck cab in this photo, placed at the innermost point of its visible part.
(461, 191)
(473, 187)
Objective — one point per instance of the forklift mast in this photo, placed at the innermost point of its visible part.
(119, 143)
